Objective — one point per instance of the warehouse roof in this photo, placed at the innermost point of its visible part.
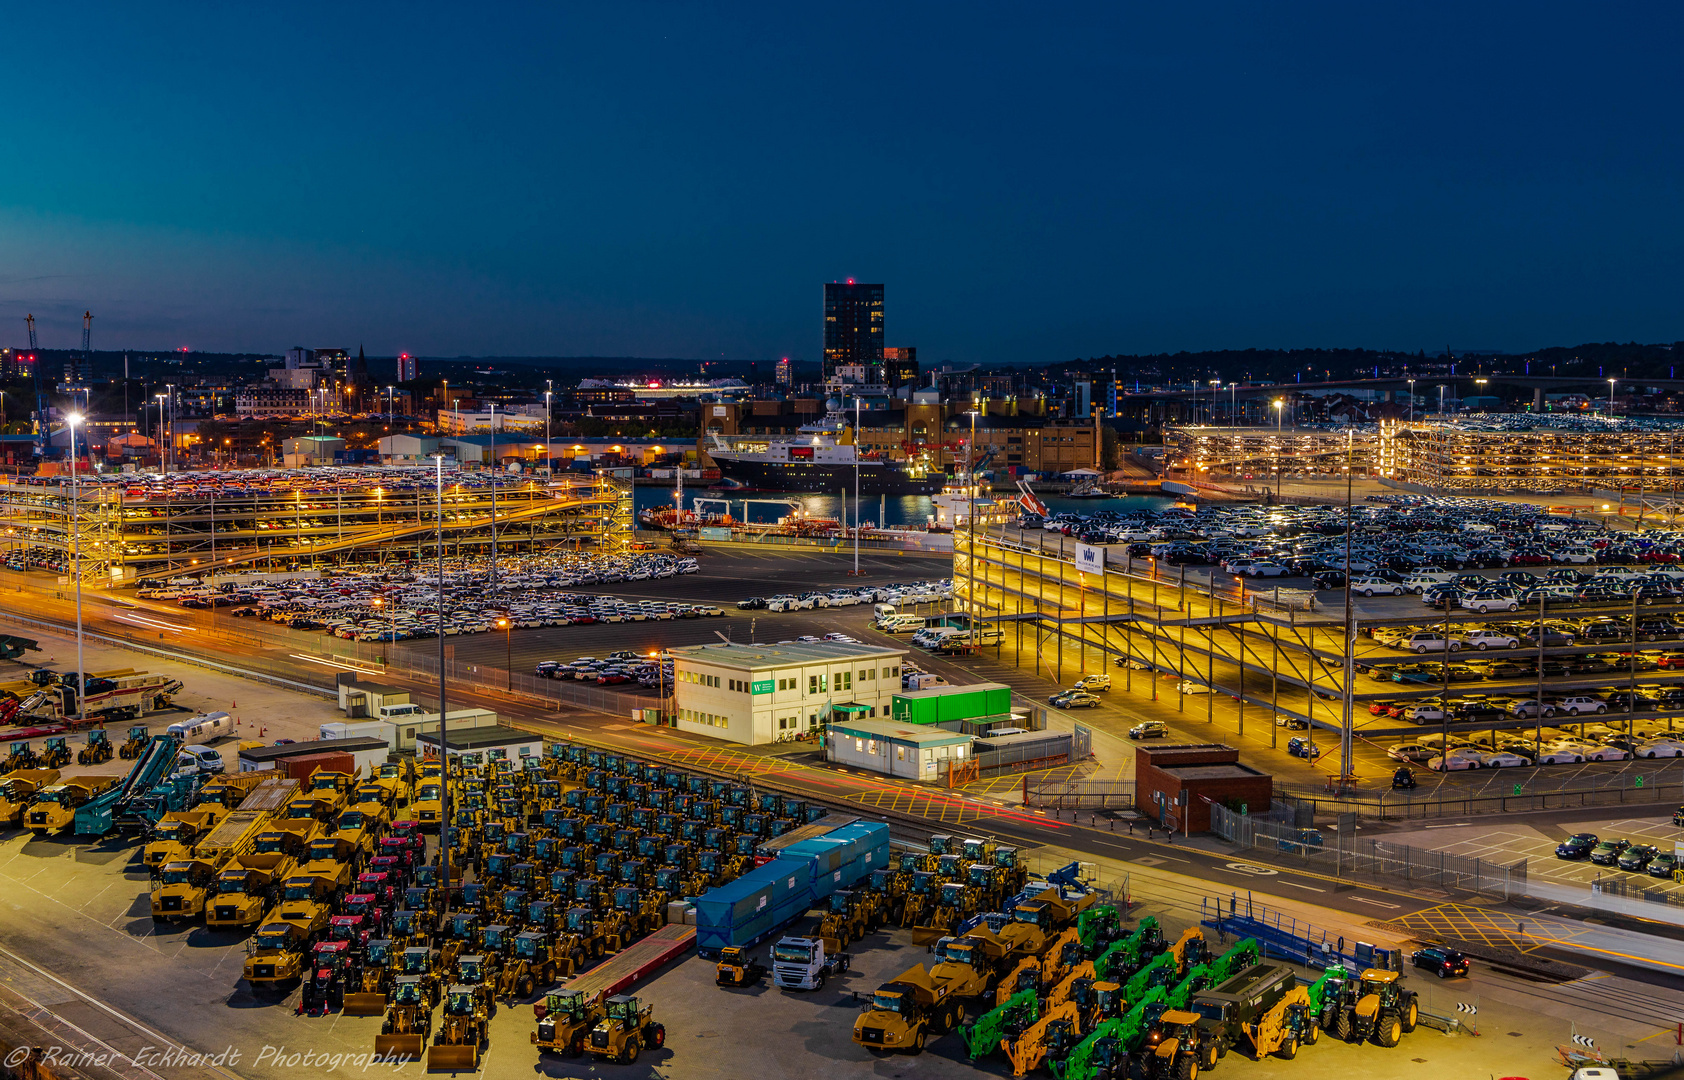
(905, 734)
(314, 746)
(477, 738)
(759, 657)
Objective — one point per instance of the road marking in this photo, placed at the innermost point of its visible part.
(1253, 868)
(1296, 885)
(1455, 825)
(1376, 903)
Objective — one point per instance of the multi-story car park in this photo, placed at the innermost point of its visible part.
(760, 693)
(1265, 453)
(1533, 453)
(131, 527)
(1166, 607)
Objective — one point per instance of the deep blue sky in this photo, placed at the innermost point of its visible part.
(678, 180)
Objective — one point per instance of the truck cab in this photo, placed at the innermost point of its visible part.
(800, 963)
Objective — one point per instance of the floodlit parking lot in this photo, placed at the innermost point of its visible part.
(1505, 845)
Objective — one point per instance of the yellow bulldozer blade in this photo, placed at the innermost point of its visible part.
(927, 935)
(365, 1004)
(453, 1059)
(398, 1047)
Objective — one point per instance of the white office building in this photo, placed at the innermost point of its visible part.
(755, 694)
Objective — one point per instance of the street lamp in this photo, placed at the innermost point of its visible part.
(1411, 400)
(505, 625)
(970, 524)
(494, 496)
(1610, 397)
(70, 422)
(1277, 404)
(444, 714)
(549, 394)
(163, 462)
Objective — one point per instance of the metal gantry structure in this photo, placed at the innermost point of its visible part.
(128, 530)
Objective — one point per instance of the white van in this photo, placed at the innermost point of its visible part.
(198, 759)
(204, 728)
(882, 611)
(901, 624)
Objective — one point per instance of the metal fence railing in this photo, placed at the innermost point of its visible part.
(1349, 857)
(1077, 793)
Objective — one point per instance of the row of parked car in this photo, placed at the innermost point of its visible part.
(915, 592)
(1554, 746)
(1622, 854)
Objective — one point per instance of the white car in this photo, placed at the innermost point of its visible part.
(1429, 641)
(1265, 569)
(1580, 558)
(1577, 706)
(1605, 753)
(1097, 681)
(1187, 686)
(1420, 582)
(1370, 586)
(1491, 639)
(1659, 748)
(1502, 759)
(1561, 754)
(782, 603)
(1466, 758)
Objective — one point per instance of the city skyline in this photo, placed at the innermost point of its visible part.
(600, 185)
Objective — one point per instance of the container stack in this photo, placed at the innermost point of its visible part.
(772, 895)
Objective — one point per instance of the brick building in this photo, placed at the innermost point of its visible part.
(1177, 784)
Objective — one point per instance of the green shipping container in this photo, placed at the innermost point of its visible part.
(945, 703)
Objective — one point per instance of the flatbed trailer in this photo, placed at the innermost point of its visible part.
(270, 795)
(634, 963)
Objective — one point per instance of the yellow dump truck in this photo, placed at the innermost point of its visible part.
(182, 889)
(55, 807)
(18, 790)
(906, 1012)
(178, 832)
(275, 956)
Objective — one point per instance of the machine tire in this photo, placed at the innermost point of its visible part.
(1411, 1014)
(525, 986)
(655, 1035)
(628, 1053)
(576, 1048)
(1342, 1027)
(1388, 1029)
(1208, 1055)
(1188, 1069)
(1312, 1033)
(1289, 1049)
(918, 1042)
(818, 984)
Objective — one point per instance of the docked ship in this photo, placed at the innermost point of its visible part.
(820, 457)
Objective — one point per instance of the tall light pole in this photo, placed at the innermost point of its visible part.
(1411, 400)
(444, 713)
(1277, 404)
(163, 442)
(505, 624)
(970, 526)
(856, 486)
(494, 495)
(76, 567)
(549, 395)
(1611, 397)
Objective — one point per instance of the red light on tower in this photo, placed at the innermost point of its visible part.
(850, 281)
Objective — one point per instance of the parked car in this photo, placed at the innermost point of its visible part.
(1607, 852)
(1074, 699)
(1491, 639)
(1303, 746)
(1149, 729)
(1443, 962)
(1414, 753)
(1577, 846)
(1635, 857)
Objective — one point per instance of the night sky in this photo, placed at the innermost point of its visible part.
(1032, 182)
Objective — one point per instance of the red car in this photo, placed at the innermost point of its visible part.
(1671, 659)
